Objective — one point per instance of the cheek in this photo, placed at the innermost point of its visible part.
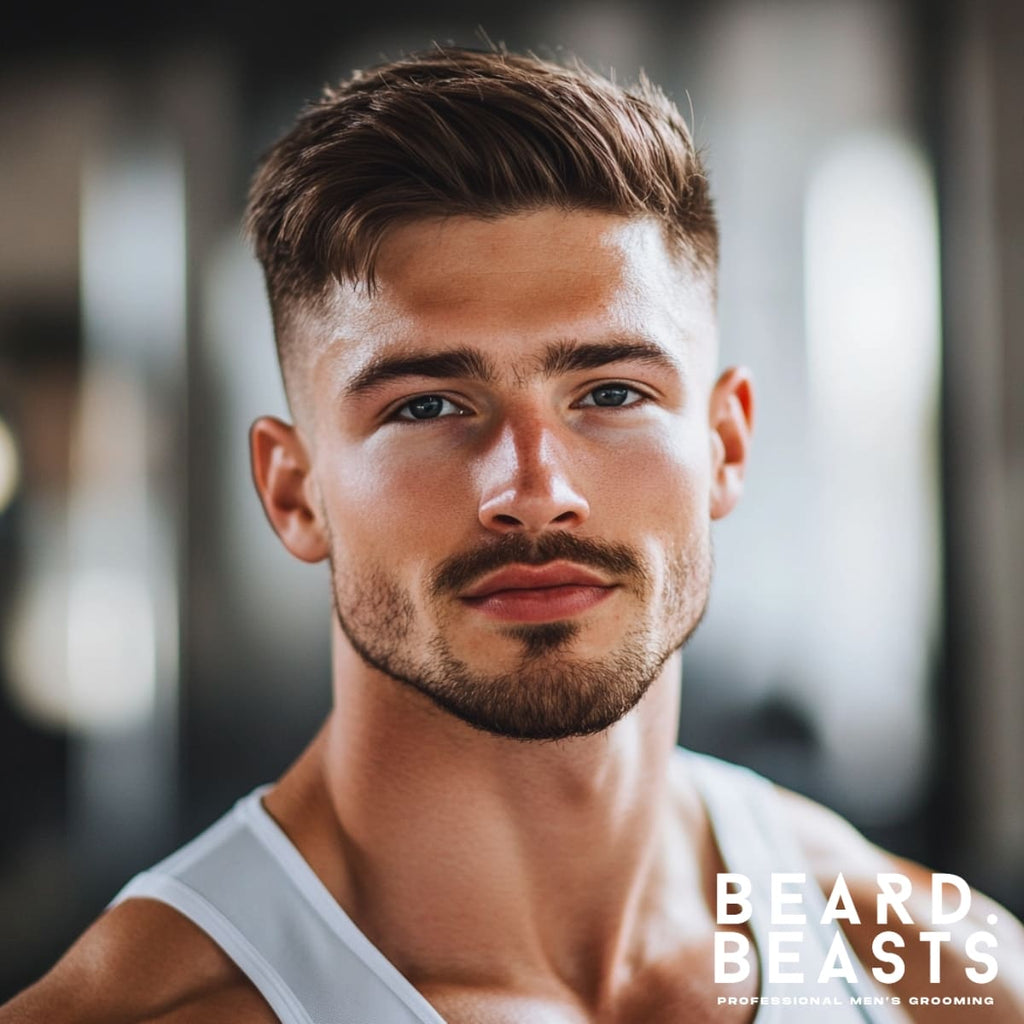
(662, 479)
(383, 503)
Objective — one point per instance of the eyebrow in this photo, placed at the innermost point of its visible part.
(458, 362)
(569, 356)
(558, 357)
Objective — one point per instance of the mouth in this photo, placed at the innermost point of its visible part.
(542, 593)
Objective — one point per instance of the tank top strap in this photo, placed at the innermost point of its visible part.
(245, 885)
(750, 826)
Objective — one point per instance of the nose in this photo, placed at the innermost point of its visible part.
(527, 485)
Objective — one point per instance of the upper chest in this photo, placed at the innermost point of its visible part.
(678, 988)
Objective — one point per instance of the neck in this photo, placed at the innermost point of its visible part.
(539, 858)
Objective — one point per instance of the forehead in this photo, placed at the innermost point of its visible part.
(511, 285)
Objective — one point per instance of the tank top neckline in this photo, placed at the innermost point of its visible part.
(274, 839)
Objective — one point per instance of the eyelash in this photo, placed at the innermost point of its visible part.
(615, 385)
(405, 406)
(640, 398)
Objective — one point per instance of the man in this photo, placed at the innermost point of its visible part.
(493, 287)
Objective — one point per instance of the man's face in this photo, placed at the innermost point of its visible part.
(512, 458)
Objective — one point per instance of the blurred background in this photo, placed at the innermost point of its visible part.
(160, 654)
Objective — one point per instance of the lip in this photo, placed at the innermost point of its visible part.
(536, 577)
(541, 593)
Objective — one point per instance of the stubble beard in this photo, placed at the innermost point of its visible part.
(550, 693)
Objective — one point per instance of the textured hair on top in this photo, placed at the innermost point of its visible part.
(452, 131)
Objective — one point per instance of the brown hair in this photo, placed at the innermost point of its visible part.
(453, 131)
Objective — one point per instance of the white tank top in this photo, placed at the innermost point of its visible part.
(246, 886)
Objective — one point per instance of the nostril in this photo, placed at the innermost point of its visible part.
(565, 517)
(506, 520)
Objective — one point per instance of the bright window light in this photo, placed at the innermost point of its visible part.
(10, 467)
(871, 283)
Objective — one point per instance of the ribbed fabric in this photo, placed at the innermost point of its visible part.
(246, 886)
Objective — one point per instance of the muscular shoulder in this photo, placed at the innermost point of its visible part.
(141, 962)
(902, 909)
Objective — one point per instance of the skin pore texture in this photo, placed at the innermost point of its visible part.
(510, 453)
(516, 464)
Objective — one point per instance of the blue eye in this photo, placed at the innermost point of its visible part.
(611, 396)
(428, 407)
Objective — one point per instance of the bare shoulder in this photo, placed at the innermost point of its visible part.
(927, 933)
(141, 962)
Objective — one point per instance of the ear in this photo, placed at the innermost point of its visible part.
(731, 413)
(281, 473)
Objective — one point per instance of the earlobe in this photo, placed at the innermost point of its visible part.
(731, 421)
(281, 473)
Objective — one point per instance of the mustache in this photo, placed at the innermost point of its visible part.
(459, 571)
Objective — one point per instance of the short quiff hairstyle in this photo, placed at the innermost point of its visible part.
(451, 132)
